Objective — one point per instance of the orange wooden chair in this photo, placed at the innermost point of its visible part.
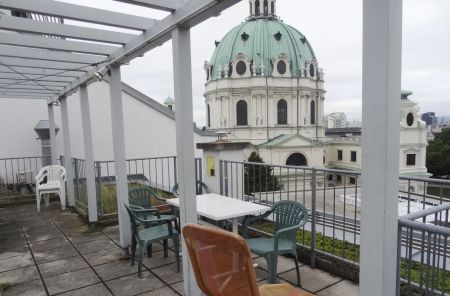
(223, 265)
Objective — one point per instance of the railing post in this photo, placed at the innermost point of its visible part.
(313, 216)
(175, 169)
(76, 173)
(399, 254)
(99, 188)
(221, 176)
(225, 179)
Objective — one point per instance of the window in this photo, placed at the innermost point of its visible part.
(410, 159)
(257, 8)
(241, 67)
(353, 156)
(352, 180)
(266, 8)
(339, 154)
(208, 115)
(330, 177)
(282, 111)
(339, 178)
(251, 8)
(410, 119)
(241, 113)
(311, 70)
(272, 5)
(297, 159)
(313, 112)
(281, 67)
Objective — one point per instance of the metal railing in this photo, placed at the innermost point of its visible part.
(17, 175)
(159, 173)
(423, 253)
(333, 198)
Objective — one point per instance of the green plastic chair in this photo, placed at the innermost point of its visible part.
(145, 198)
(200, 188)
(288, 217)
(153, 232)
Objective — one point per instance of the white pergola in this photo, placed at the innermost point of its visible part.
(41, 57)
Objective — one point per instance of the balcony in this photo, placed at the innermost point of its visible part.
(40, 251)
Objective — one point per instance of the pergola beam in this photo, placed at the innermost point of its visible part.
(80, 13)
(42, 93)
(190, 14)
(55, 44)
(35, 86)
(29, 63)
(42, 72)
(25, 97)
(165, 5)
(24, 25)
(48, 55)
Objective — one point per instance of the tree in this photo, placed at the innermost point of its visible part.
(259, 178)
(438, 154)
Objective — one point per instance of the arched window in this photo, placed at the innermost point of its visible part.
(251, 9)
(313, 112)
(241, 113)
(272, 6)
(257, 8)
(208, 110)
(266, 8)
(297, 159)
(282, 111)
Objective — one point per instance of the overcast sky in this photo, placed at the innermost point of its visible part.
(334, 29)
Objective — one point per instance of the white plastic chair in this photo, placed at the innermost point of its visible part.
(56, 183)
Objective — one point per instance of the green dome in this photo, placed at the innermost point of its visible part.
(169, 101)
(262, 40)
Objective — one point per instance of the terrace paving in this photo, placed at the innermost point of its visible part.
(54, 253)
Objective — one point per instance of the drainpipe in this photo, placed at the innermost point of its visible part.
(298, 92)
(267, 107)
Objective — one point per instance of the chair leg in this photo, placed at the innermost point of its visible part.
(176, 243)
(38, 200)
(141, 259)
(272, 261)
(297, 267)
(166, 247)
(133, 249)
(47, 199)
(149, 250)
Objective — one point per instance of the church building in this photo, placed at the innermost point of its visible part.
(264, 85)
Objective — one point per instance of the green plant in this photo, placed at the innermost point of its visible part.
(5, 286)
(438, 154)
(259, 178)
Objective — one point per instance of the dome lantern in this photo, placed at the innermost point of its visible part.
(262, 9)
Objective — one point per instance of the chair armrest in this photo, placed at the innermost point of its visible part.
(136, 208)
(250, 219)
(277, 234)
(39, 177)
(63, 177)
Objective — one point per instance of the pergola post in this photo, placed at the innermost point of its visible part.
(88, 153)
(382, 40)
(181, 44)
(52, 131)
(118, 133)
(67, 152)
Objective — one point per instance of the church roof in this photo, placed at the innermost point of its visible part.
(262, 41)
(277, 141)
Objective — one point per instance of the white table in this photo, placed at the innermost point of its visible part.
(218, 207)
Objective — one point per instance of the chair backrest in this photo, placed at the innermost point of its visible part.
(200, 188)
(54, 173)
(221, 261)
(134, 225)
(288, 213)
(141, 197)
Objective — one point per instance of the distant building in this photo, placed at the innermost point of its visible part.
(354, 123)
(429, 118)
(336, 120)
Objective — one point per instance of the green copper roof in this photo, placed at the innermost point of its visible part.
(263, 40)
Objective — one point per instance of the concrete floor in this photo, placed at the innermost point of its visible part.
(54, 253)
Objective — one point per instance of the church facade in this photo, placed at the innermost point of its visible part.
(264, 85)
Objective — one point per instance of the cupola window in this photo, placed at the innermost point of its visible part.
(241, 67)
(312, 111)
(241, 113)
(281, 67)
(257, 8)
(409, 119)
(282, 111)
(266, 8)
(244, 36)
(312, 71)
(278, 36)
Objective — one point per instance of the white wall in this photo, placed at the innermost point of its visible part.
(148, 132)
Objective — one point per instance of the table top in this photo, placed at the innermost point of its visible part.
(218, 207)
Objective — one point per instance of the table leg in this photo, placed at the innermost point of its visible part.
(235, 225)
